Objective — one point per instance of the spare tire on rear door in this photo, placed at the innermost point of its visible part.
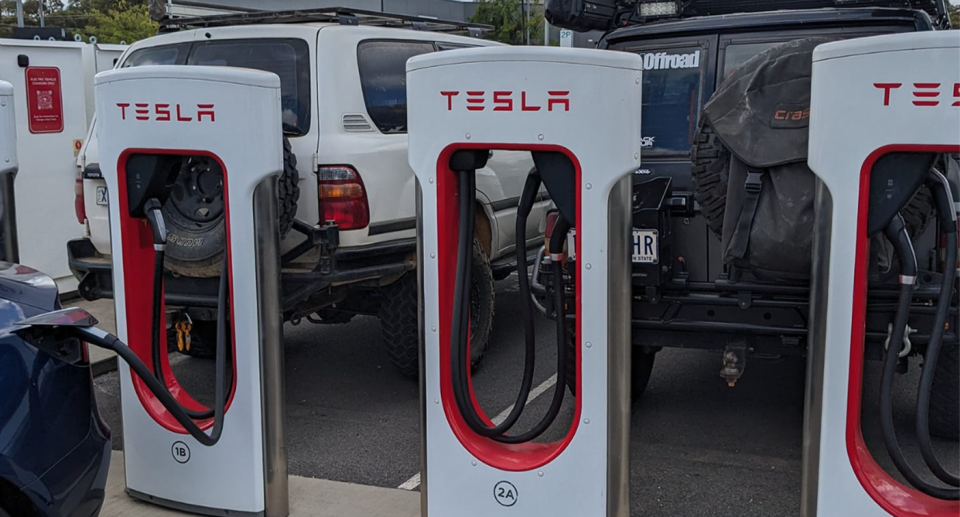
(195, 218)
(750, 165)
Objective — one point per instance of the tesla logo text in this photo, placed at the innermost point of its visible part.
(509, 101)
(922, 94)
(167, 112)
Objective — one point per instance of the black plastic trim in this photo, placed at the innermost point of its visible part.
(770, 20)
(396, 225)
(92, 172)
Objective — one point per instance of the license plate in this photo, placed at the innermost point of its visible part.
(645, 249)
(102, 196)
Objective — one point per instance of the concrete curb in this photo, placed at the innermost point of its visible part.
(309, 497)
(104, 366)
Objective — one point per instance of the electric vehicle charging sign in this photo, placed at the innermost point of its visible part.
(44, 99)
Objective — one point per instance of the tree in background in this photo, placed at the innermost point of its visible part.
(52, 9)
(121, 23)
(111, 21)
(506, 16)
(954, 16)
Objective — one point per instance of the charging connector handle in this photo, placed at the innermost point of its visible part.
(151, 210)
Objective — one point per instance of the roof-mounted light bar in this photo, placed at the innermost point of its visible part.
(658, 9)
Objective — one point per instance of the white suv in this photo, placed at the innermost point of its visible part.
(347, 196)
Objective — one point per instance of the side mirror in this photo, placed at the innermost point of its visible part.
(56, 333)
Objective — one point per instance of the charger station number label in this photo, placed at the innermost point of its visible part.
(505, 493)
(181, 453)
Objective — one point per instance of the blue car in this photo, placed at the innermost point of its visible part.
(54, 447)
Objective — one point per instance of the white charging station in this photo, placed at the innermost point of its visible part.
(9, 245)
(231, 116)
(870, 97)
(536, 99)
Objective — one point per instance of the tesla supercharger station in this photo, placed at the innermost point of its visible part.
(149, 119)
(547, 101)
(9, 245)
(870, 97)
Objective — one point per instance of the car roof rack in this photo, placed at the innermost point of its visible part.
(631, 13)
(341, 15)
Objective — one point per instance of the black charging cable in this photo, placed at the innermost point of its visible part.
(947, 214)
(896, 233)
(155, 381)
(461, 316)
(97, 337)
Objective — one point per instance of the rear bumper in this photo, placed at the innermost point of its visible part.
(92, 269)
(377, 264)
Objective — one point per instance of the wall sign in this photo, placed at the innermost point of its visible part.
(44, 99)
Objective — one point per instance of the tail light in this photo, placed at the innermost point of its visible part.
(342, 197)
(78, 205)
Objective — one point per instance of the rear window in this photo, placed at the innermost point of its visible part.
(383, 79)
(671, 99)
(288, 58)
(737, 54)
(166, 55)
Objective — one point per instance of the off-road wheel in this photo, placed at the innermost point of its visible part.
(711, 163)
(641, 366)
(399, 323)
(195, 219)
(945, 394)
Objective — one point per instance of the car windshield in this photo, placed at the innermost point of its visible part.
(288, 58)
(671, 99)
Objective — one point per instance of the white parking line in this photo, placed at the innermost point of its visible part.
(411, 484)
(414, 482)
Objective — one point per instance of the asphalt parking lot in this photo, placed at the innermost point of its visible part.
(698, 447)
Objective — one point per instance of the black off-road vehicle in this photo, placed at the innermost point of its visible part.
(704, 275)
